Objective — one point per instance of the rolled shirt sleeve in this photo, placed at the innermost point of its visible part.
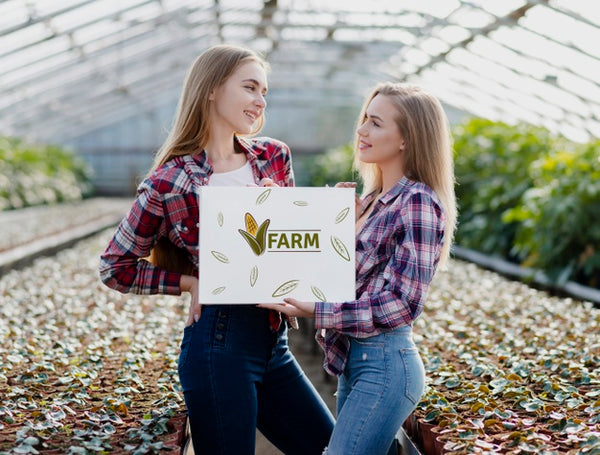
(122, 266)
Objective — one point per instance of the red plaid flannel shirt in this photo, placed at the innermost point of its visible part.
(167, 206)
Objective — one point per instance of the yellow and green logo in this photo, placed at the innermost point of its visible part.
(254, 234)
(282, 240)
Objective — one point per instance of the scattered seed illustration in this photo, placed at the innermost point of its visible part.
(318, 294)
(286, 288)
(253, 276)
(220, 257)
(262, 197)
(217, 291)
(255, 235)
(220, 219)
(340, 248)
(300, 203)
(342, 215)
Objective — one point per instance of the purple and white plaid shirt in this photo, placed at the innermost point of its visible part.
(397, 252)
(167, 206)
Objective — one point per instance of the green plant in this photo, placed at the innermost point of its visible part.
(40, 174)
(491, 166)
(559, 218)
(329, 168)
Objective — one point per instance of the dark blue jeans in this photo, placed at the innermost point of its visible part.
(237, 375)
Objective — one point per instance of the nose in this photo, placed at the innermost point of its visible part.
(261, 101)
(362, 130)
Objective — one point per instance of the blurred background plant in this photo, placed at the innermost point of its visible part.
(492, 171)
(328, 168)
(40, 174)
(558, 218)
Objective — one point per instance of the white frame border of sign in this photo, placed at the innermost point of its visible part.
(260, 245)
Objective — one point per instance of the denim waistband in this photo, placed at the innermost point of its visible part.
(244, 311)
(399, 333)
(403, 330)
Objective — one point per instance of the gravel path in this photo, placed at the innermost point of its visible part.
(20, 227)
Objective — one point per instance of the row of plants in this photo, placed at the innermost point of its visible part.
(524, 194)
(510, 369)
(40, 174)
(84, 369)
(530, 197)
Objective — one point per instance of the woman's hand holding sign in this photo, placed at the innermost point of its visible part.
(292, 307)
(189, 284)
(266, 182)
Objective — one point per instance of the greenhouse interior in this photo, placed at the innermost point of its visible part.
(509, 335)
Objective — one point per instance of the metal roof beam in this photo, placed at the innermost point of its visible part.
(44, 18)
(147, 32)
(511, 18)
(75, 28)
(76, 90)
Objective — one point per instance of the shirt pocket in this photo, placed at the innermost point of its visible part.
(370, 253)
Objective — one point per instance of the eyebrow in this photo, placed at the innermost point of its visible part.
(254, 81)
(373, 116)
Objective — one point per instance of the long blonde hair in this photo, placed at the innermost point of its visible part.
(428, 154)
(190, 132)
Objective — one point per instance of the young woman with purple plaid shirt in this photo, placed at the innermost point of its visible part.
(235, 367)
(404, 229)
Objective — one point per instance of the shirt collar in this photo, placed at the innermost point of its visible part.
(393, 193)
(199, 166)
(388, 197)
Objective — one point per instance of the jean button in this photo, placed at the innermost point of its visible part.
(219, 336)
(220, 326)
(222, 315)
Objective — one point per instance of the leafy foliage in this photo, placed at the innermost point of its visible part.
(530, 197)
(84, 369)
(524, 194)
(40, 174)
(559, 217)
(329, 168)
(492, 172)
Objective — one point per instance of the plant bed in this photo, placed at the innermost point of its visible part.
(84, 369)
(510, 369)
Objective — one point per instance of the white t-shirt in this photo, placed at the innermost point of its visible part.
(238, 177)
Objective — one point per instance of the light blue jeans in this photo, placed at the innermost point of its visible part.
(380, 387)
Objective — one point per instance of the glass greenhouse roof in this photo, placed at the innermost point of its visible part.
(70, 67)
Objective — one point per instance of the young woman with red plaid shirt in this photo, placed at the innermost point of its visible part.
(235, 367)
(404, 229)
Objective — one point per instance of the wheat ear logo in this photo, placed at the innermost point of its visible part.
(254, 234)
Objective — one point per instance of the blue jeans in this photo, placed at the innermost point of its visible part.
(380, 387)
(237, 375)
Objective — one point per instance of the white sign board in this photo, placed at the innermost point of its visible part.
(260, 245)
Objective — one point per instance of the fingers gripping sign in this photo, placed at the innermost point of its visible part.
(292, 307)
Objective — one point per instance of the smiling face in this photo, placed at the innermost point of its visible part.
(379, 139)
(239, 103)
